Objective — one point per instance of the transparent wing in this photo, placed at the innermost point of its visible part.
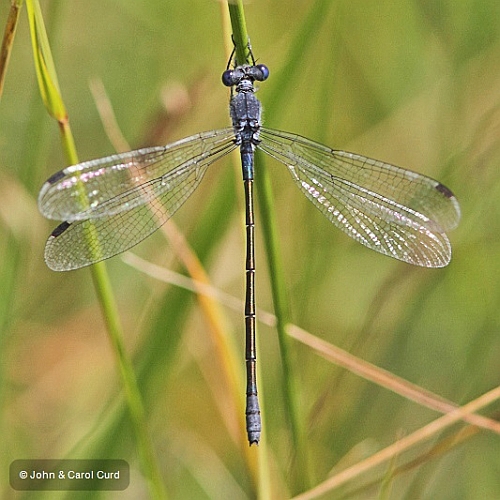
(103, 187)
(113, 203)
(391, 210)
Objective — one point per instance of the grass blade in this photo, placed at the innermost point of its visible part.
(300, 468)
(52, 98)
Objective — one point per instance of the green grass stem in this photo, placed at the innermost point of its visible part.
(300, 467)
(52, 98)
(240, 34)
(266, 207)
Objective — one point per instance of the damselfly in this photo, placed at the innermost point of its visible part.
(111, 204)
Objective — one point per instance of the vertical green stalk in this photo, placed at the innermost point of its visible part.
(300, 475)
(240, 35)
(132, 395)
(300, 468)
(51, 95)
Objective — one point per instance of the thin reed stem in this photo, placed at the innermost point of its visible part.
(52, 97)
(300, 463)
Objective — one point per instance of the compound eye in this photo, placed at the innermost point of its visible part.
(263, 72)
(228, 78)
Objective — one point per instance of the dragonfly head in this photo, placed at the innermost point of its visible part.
(244, 76)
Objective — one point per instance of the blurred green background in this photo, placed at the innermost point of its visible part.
(414, 83)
